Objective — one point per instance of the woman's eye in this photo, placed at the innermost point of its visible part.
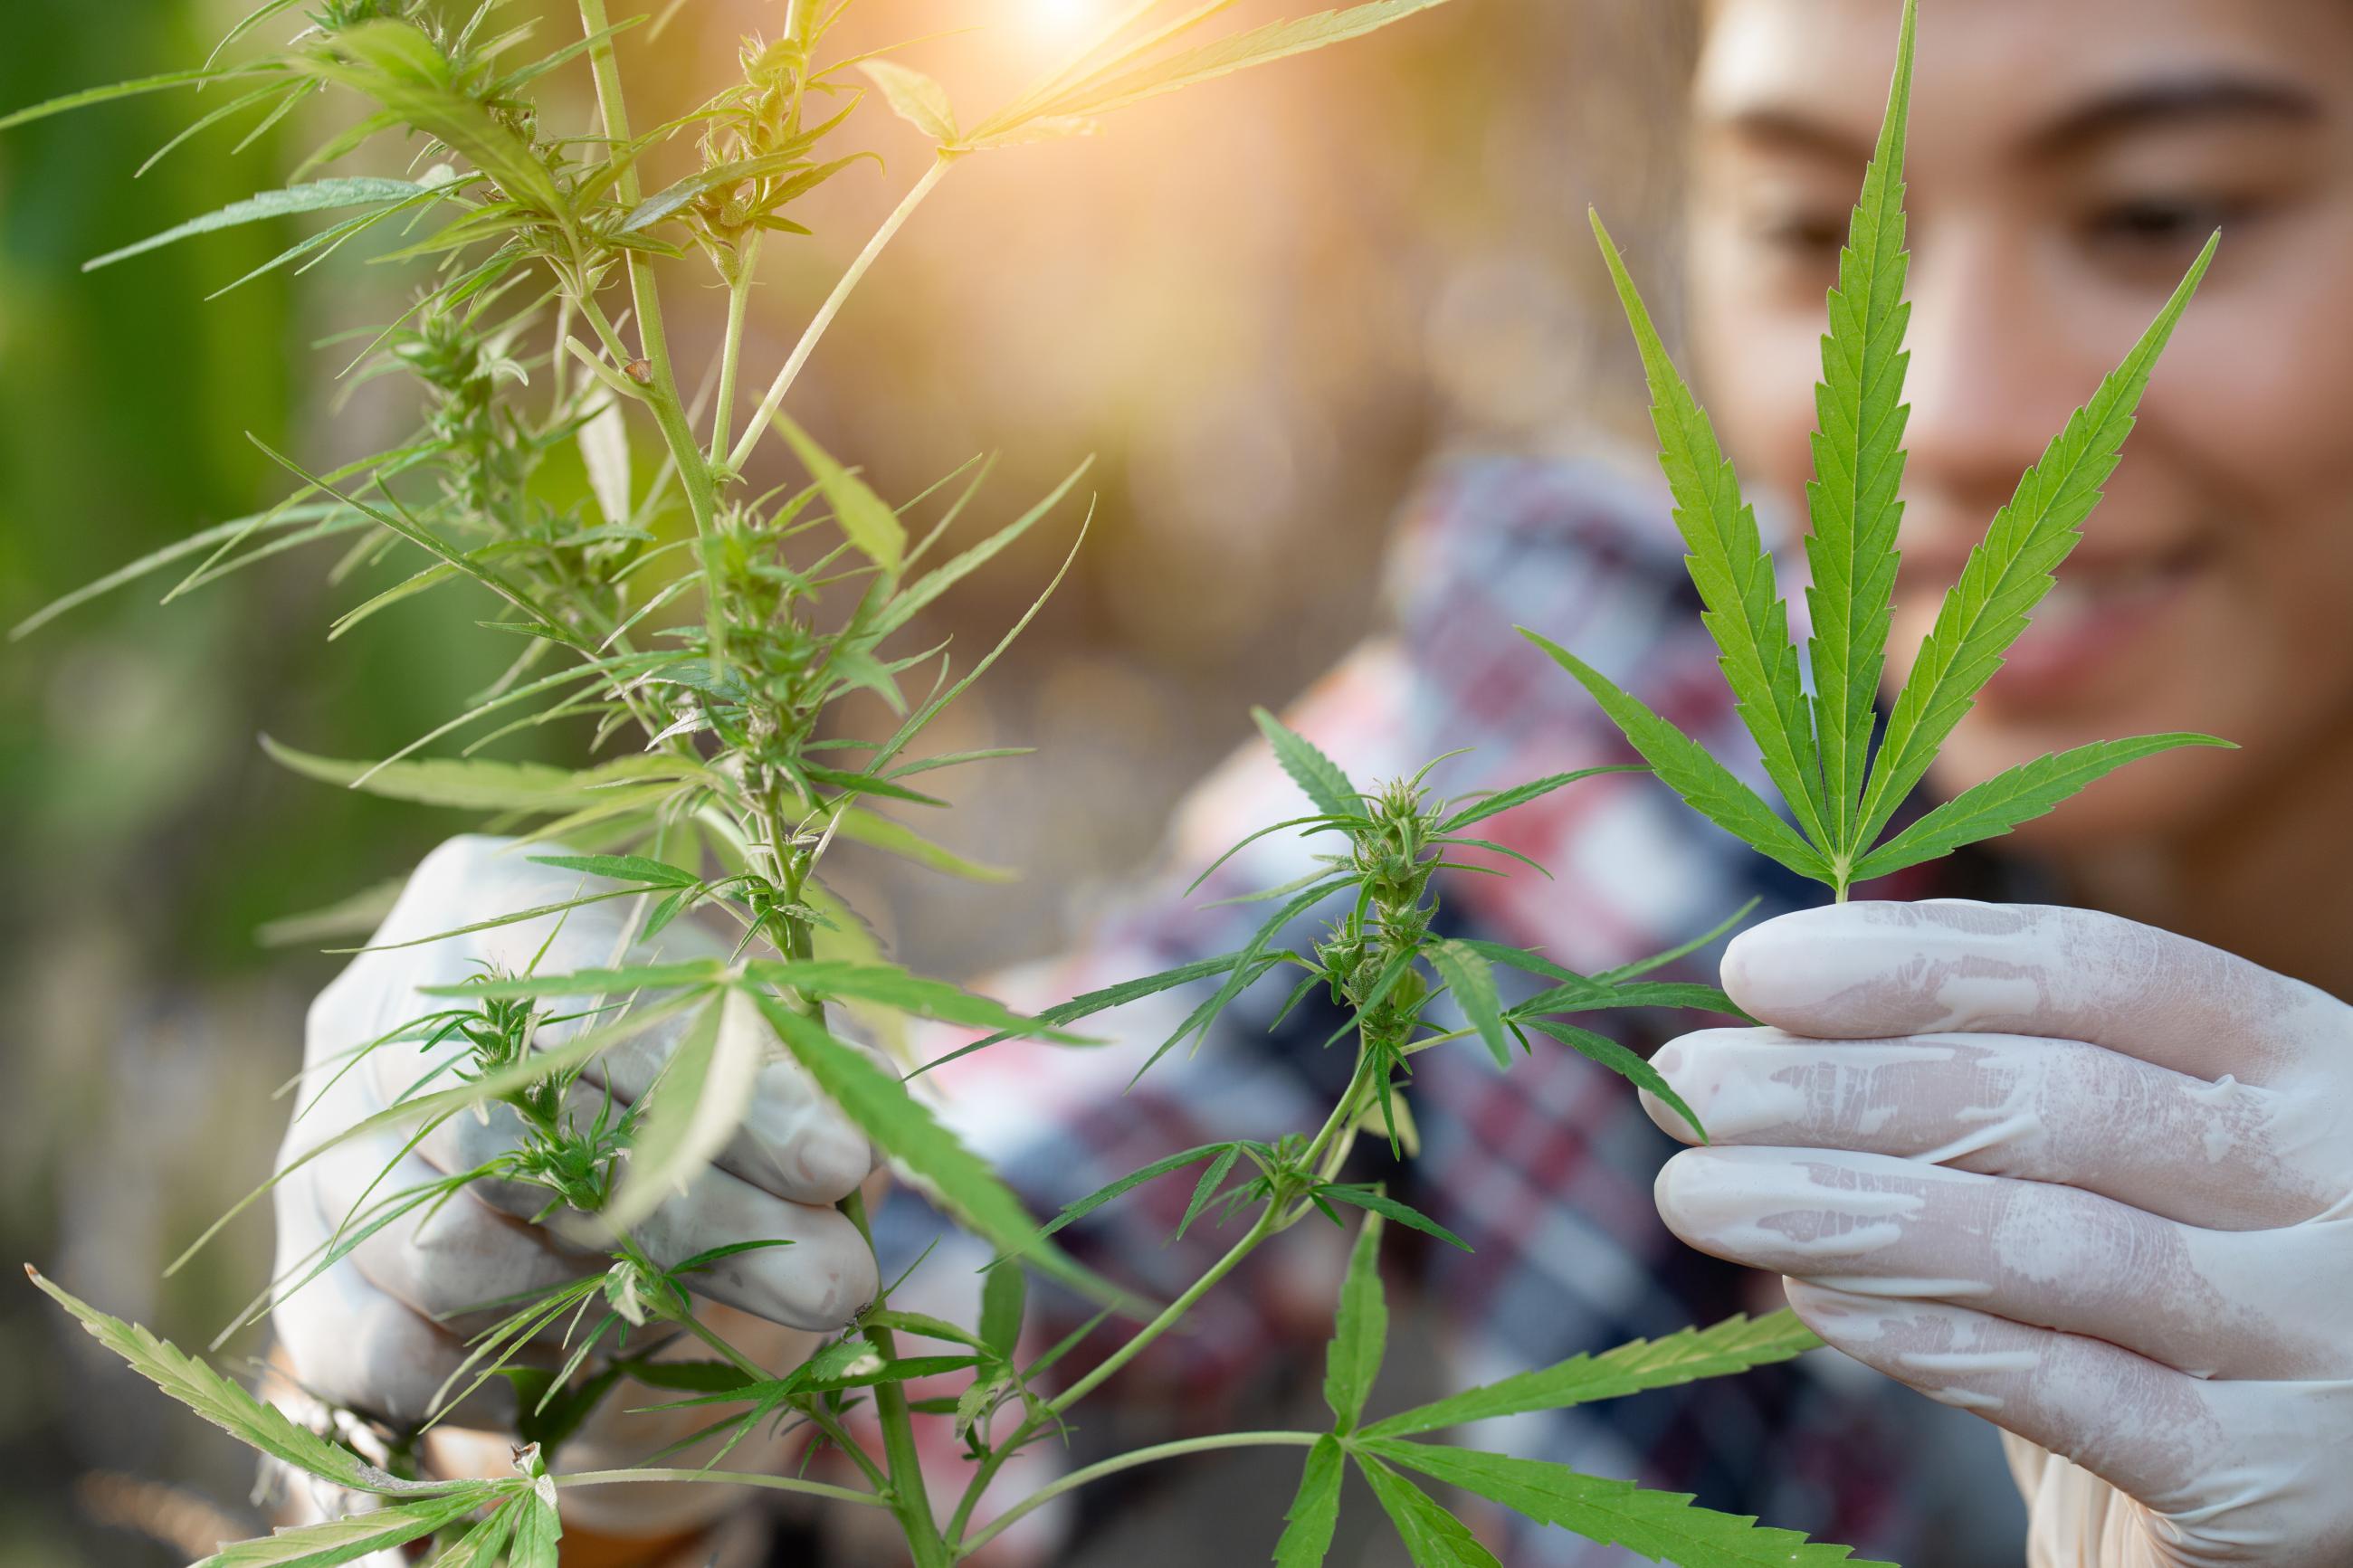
(2160, 224)
(1802, 234)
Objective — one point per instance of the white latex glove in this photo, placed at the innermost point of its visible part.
(2089, 1180)
(383, 1329)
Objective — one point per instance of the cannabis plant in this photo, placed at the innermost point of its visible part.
(708, 663)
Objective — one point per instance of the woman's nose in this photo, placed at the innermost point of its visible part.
(1993, 373)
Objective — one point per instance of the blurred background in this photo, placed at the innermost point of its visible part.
(1263, 305)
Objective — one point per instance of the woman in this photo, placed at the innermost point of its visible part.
(2089, 1178)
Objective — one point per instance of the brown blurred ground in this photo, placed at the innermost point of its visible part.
(1262, 306)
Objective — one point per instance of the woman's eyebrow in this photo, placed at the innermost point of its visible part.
(2165, 102)
(2172, 101)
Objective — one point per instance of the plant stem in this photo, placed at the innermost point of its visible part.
(1265, 1226)
(670, 412)
(731, 347)
(727, 1477)
(1111, 1467)
(925, 1547)
(733, 1357)
(774, 398)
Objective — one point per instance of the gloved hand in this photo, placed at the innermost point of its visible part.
(2089, 1180)
(383, 1329)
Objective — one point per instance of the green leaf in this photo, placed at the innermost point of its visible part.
(1519, 794)
(914, 98)
(483, 1546)
(476, 784)
(1433, 1538)
(864, 518)
(621, 868)
(1732, 1346)
(690, 1376)
(145, 84)
(1377, 1202)
(1626, 1064)
(1315, 1511)
(894, 988)
(1310, 768)
(1207, 1187)
(1247, 967)
(470, 562)
(1660, 1525)
(1584, 996)
(317, 196)
(1705, 784)
(1002, 1296)
(355, 916)
(1472, 982)
(322, 520)
(348, 1539)
(1993, 807)
(699, 1101)
(537, 1532)
(865, 783)
(1681, 949)
(719, 176)
(926, 1149)
(229, 1407)
(1527, 962)
(1858, 450)
(924, 590)
(699, 971)
(2007, 574)
(1257, 46)
(877, 832)
(1081, 1208)
(869, 1370)
(1730, 566)
(1359, 1333)
(1088, 1003)
(919, 1323)
(402, 69)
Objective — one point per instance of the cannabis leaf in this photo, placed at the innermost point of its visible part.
(1360, 1332)
(350, 1539)
(1315, 1512)
(228, 1407)
(914, 98)
(1730, 1346)
(1859, 463)
(922, 1148)
(1662, 1525)
(1817, 750)
(1728, 564)
(693, 1109)
(1433, 1537)
(1309, 768)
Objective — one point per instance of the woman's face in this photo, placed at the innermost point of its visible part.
(2068, 157)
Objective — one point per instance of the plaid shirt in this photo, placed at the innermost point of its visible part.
(1546, 1170)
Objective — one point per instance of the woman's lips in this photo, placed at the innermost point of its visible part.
(2098, 617)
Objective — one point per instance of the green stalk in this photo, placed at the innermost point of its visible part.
(731, 347)
(825, 312)
(670, 412)
(1111, 1467)
(726, 1477)
(1265, 1226)
(1271, 1222)
(925, 1547)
